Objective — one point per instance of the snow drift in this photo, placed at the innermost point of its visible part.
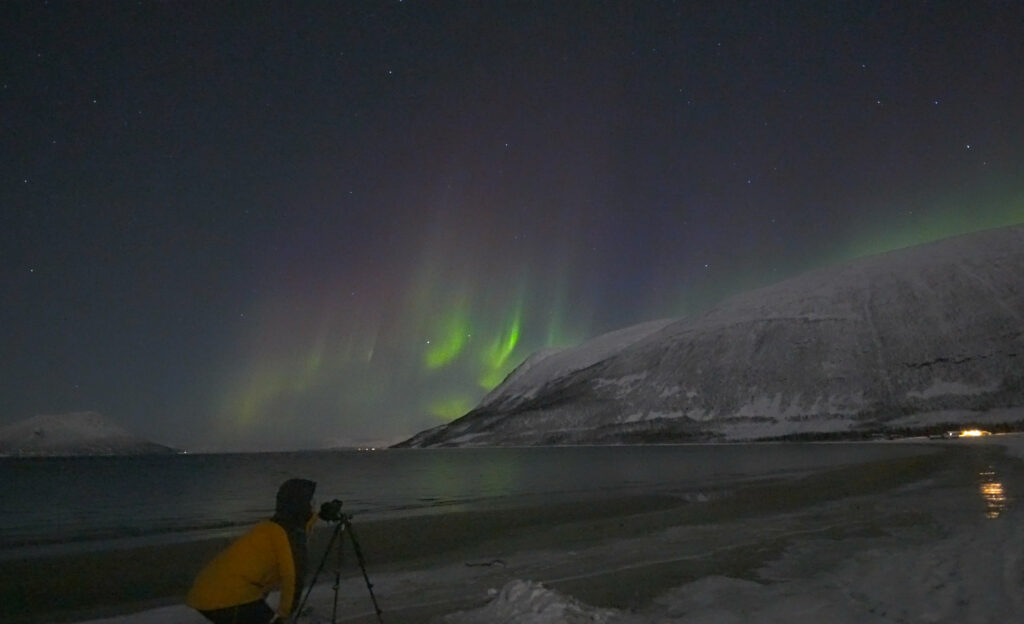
(928, 334)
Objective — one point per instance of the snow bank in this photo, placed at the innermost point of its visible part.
(971, 577)
(176, 614)
(526, 602)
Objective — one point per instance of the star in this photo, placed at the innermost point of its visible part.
(259, 162)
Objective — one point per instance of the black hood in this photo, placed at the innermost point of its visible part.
(295, 501)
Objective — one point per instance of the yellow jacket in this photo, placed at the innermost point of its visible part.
(256, 563)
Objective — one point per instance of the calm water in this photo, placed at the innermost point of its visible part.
(53, 504)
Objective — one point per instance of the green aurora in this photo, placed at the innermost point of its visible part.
(449, 345)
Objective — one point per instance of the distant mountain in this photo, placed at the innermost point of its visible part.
(899, 341)
(82, 433)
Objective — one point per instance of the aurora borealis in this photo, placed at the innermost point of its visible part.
(294, 225)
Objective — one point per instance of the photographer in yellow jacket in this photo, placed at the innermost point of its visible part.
(232, 588)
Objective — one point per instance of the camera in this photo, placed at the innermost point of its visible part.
(331, 511)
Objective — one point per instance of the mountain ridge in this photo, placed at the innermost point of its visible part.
(889, 341)
(73, 434)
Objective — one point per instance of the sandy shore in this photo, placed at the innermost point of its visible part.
(616, 553)
(90, 585)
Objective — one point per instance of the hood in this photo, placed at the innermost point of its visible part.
(295, 500)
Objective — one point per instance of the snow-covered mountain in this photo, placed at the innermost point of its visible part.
(81, 433)
(924, 335)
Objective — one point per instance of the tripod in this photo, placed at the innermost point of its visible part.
(344, 523)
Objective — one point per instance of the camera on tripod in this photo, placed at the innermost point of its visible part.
(331, 511)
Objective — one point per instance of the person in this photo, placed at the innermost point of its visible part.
(232, 588)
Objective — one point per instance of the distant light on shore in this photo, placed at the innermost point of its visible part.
(973, 433)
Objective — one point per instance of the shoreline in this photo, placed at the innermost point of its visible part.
(95, 585)
(67, 588)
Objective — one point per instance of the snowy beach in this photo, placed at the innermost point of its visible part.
(934, 538)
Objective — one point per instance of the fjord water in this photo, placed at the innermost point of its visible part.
(57, 504)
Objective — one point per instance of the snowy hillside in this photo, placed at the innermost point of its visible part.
(919, 336)
(82, 433)
(528, 378)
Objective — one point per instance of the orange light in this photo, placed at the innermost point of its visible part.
(993, 494)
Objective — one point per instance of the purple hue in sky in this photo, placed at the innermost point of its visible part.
(241, 226)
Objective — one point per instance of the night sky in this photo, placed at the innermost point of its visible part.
(291, 225)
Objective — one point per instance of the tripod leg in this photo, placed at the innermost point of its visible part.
(337, 575)
(362, 565)
(319, 569)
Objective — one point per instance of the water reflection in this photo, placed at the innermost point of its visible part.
(992, 493)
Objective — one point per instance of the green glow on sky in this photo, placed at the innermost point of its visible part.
(952, 215)
(399, 360)
(496, 356)
(505, 344)
(450, 408)
(452, 338)
(558, 332)
(252, 402)
(249, 404)
(490, 379)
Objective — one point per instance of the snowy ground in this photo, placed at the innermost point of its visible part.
(947, 549)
